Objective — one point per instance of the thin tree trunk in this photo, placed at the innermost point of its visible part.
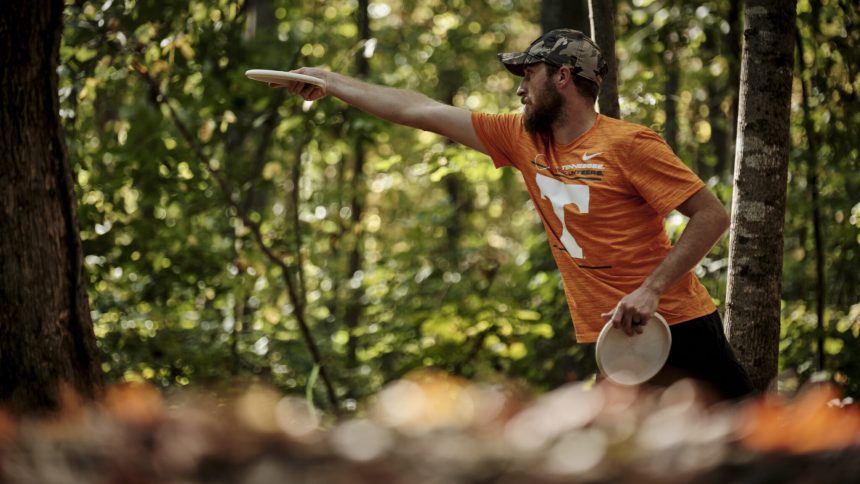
(761, 172)
(458, 189)
(46, 333)
(568, 14)
(354, 264)
(812, 183)
(356, 255)
(259, 16)
(670, 88)
(733, 54)
(602, 14)
(458, 198)
(717, 118)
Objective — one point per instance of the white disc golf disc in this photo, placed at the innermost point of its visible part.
(631, 360)
(282, 77)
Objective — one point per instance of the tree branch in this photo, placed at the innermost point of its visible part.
(160, 98)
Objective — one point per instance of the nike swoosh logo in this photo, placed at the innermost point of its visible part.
(587, 157)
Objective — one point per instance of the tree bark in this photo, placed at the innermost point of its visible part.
(602, 14)
(46, 333)
(761, 172)
(569, 14)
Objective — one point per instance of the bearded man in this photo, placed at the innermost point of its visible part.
(602, 188)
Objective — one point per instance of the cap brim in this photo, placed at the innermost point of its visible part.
(515, 62)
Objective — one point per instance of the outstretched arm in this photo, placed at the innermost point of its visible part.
(708, 221)
(398, 106)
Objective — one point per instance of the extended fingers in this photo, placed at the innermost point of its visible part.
(315, 94)
(309, 92)
(627, 318)
(296, 87)
(627, 322)
(621, 318)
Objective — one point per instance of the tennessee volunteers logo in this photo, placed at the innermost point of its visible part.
(540, 162)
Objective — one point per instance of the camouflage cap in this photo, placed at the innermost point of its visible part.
(561, 47)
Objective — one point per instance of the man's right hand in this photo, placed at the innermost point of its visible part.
(307, 91)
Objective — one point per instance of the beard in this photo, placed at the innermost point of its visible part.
(546, 110)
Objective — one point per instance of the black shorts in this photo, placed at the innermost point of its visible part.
(701, 351)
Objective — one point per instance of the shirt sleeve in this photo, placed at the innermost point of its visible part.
(498, 133)
(660, 177)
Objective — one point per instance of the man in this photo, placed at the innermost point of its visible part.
(602, 188)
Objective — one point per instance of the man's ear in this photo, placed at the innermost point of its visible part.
(564, 76)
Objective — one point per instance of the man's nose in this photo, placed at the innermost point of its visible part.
(521, 91)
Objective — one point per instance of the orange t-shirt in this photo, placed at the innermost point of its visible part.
(603, 199)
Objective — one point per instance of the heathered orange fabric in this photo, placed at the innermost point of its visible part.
(613, 186)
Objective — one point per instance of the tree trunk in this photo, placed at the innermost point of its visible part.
(459, 192)
(259, 16)
(717, 118)
(670, 88)
(569, 14)
(812, 183)
(719, 134)
(761, 171)
(46, 333)
(733, 55)
(603, 32)
(354, 306)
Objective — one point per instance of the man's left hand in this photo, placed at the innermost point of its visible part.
(633, 310)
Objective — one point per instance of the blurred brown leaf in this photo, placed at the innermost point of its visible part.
(135, 403)
(808, 424)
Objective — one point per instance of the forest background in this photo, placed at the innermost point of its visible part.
(233, 233)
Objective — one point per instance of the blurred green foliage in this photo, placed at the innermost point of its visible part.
(187, 274)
